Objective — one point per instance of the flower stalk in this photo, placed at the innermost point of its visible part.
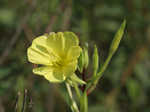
(73, 105)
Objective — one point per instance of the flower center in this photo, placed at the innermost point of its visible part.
(59, 64)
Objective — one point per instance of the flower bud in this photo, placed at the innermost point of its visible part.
(95, 60)
(117, 38)
(86, 57)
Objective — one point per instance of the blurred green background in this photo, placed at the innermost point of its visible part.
(125, 86)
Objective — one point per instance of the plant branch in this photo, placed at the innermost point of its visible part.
(77, 90)
(73, 105)
(92, 85)
(84, 79)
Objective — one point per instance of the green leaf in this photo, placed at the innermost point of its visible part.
(95, 61)
(117, 38)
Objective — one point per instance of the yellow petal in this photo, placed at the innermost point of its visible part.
(74, 53)
(39, 53)
(50, 74)
(70, 40)
(41, 40)
(55, 42)
(39, 44)
(37, 57)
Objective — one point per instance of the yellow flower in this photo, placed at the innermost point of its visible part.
(57, 53)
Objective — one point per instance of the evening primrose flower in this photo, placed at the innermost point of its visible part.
(57, 53)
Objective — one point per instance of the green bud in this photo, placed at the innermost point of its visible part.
(81, 62)
(86, 57)
(95, 61)
(117, 38)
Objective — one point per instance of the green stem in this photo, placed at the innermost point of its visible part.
(73, 105)
(100, 74)
(77, 90)
(84, 102)
(96, 78)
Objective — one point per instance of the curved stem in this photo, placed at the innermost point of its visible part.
(77, 90)
(73, 105)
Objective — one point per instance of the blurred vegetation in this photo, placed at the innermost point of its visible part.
(125, 86)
